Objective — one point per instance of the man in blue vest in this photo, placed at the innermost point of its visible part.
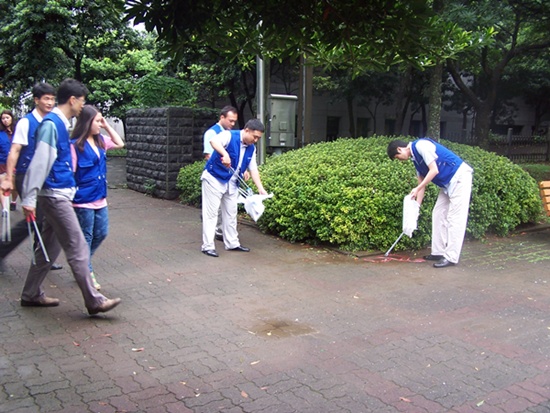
(228, 118)
(19, 158)
(435, 163)
(234, 153)
(50, 182)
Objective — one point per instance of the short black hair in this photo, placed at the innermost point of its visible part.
(70, 87)
(226, 109)
(41, 89)
(393, 145)
(255, 124)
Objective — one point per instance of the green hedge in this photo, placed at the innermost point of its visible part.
(189, 183)
(348, 193)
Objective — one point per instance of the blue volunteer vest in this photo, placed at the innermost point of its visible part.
(221, 172)
(216, 128)
(91, 174)
(447, 163)
(61, 175)
(5, 145)
(27, 152)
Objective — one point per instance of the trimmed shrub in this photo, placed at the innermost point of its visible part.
(350, 194)
(189, 183)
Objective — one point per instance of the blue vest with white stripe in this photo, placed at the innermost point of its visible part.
(220, 171)
(447, 163)
(91, 174)
(27, 152)
(61, 175)
(216, 128)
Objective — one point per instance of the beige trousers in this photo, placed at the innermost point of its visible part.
(450, 216)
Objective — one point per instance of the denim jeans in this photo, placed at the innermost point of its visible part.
(95, 226)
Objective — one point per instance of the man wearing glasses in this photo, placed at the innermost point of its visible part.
(234, 153)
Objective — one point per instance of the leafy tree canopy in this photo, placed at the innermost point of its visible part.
(376, 33)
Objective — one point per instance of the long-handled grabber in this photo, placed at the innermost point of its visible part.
(6, 225)
(32, 218)
(394, 244)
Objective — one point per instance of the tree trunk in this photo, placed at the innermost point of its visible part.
(351, 115)
(483, 124)
(402, 100)
(434, 113)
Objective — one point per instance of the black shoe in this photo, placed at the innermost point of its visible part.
(13, 206)
(55, 267)
(431, 257)
(240, 248)
(218, 237)
(443, 262)
(211, 253)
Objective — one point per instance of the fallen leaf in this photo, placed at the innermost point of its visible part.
(244, 394)
(254, 362)
(107, 335)
(480, 403)
(269, 333)
(169, 280)
(264, 388)
(138, 349)
(76, 344)
(404, 399)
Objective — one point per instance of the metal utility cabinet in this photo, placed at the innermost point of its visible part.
(282, 121)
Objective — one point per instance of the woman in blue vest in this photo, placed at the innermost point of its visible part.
(435, 163)
(7, 127)
(88, 147)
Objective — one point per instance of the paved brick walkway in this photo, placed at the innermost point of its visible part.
(284, 328)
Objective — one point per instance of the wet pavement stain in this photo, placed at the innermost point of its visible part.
(278, 328)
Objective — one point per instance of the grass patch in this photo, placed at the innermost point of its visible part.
(113, 153)
(539, 171)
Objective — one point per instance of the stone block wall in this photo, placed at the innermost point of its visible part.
(159, 142)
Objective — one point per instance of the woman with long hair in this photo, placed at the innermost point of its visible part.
(7, 127)
(88, 147)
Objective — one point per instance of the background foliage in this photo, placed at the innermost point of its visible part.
(348, 193)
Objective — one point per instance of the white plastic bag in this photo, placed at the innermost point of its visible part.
(253, 204)
(411, 210)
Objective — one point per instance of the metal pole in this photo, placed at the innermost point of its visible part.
(260, 100)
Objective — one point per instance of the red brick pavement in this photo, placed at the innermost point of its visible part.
(284, 328)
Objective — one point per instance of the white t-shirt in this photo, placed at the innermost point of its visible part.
(208, 135)
(21, 135)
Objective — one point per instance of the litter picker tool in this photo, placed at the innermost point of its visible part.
(31, 218)
(6, 225)
(411, 210)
